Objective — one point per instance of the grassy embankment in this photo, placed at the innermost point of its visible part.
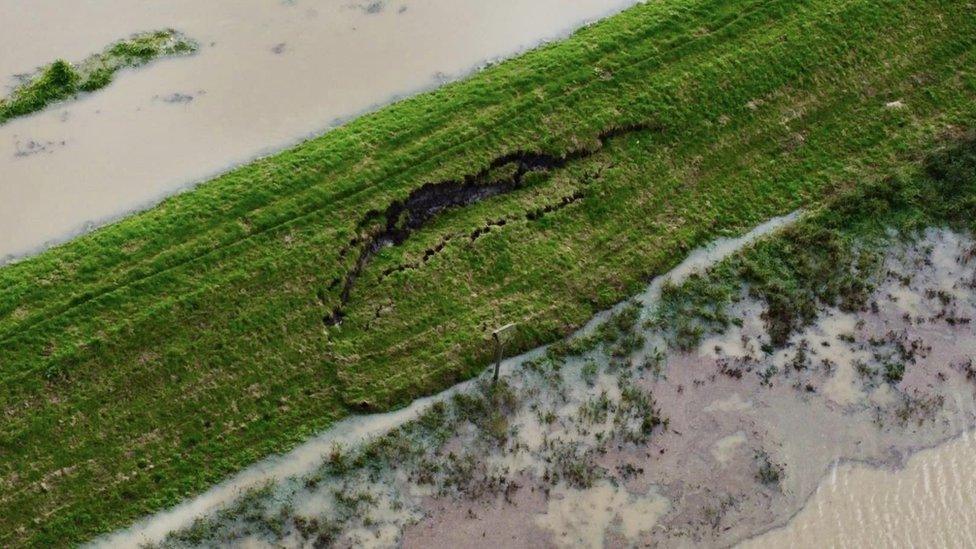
(62, 80)
(831, 257)
(149, 359)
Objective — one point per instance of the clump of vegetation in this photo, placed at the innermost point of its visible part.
(952, 169)
(894, 372)
(616, 334)
(689, 310)
(56, 82)
(801, 360)
(808, 267)
(766, 376)
(324, 532)
(968, 369)
(637, 415)
(143, 48)
(597, 409)
(573, 465)
(918, 408)
(250, 513)
(713, 513)
(589, 372)
(98, 79)
(61, 80)
(655, 362)
(768, 472)
(488, 409)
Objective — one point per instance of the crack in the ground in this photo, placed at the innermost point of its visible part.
(531, 215)
(503, 175)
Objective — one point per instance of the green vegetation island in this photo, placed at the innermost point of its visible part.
(148, 360)
(61, 80)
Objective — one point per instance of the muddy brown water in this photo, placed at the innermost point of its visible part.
(269, 73)
(921, 499)
(931, 502)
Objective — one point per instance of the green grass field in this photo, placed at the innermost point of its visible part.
(150, 359)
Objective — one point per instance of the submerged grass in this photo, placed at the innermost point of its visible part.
(147, 360)
(61, 80)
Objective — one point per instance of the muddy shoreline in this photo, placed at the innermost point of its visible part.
(783, 454)
(895, 467)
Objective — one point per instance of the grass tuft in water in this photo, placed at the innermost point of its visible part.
(62, 80)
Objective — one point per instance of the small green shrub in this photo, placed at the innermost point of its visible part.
(894, 372)
(768, 472)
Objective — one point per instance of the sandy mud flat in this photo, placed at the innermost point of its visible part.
(268, 74)
(856, 430)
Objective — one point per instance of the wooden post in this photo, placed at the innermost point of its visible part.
(497, 336)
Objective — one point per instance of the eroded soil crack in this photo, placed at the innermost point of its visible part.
(531, 215)
(504, 174)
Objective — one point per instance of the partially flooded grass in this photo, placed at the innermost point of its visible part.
(834, 260)
(457, 449)
(580, 429)
(62, 80)
(145, 361)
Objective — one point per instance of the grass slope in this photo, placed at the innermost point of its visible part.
(832, 256)
(149, 359)
(61, 80)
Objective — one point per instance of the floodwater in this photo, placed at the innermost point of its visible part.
(269, 73)
(926, 499)
(931, 502)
